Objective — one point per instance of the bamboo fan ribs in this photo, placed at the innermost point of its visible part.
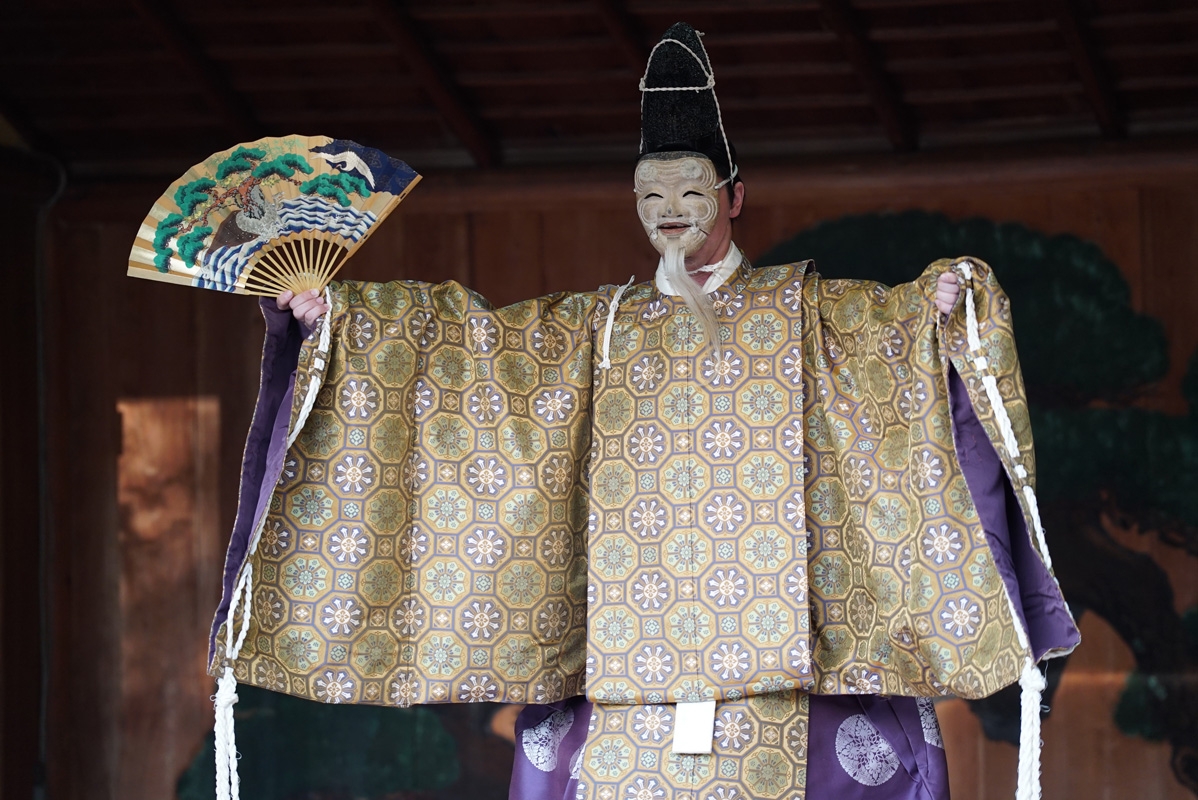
(269, 216)
(297, 262)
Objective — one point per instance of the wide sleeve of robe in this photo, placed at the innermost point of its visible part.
(413, 533)
(928, 570)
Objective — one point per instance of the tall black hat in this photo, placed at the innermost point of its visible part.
(679, 110)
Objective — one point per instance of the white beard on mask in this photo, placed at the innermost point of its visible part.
(692, 294)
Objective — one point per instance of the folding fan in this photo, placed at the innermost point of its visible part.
(275, 214)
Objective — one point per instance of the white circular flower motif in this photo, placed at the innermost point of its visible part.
(554, 406)
(891, 344)
(863, 753)
(860, 680)
(723, 440)
(275, 538)
(858, 477)
(404, 690)
(359, 399)
(482, 334)
(409, 617)
(725, 513)
(413, 545)
(796, 511)
(733, 729)
(796, 584)
(486, 476)
(484, 545)
(927, 470)
(800, 658)
(725, 370)
(354, 474)
(346, 544)
(549, 342)
(652, 723)
(653, 663)
(485, 404)
(415, 472)
(647, 373)
(337, 688)
(642, 789)
(360, 330)
(942, 544)
(730, 661)
(792, 298)
(481, 619)
(961, 617)
(557, 547)
(341, 616)
(649, 590)
(648, 518)
(558, 473)
(424, 327)
(726, 587)
(422, 397)
(792, 438)
(477, 689)
(646, 444)
(792, 365)
(552, 620)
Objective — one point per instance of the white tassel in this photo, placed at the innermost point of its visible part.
(1032, 686)
(228, 784)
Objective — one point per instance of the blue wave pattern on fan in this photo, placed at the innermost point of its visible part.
(220, 267)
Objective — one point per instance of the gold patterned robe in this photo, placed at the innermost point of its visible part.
(474, 509)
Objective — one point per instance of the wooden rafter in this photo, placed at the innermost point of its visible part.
(1086, 59)
(879, 86)
(205, 73)
(626, 31)
(445, 95)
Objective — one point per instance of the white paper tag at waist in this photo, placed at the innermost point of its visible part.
(694, 727)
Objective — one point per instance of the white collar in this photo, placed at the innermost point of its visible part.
(719, 272)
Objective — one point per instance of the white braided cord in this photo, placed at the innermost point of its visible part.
(228, 782)
(1031, 681)
(611, 320)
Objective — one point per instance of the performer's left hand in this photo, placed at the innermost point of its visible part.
(946, 292)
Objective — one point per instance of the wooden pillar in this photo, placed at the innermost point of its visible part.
(30, 184)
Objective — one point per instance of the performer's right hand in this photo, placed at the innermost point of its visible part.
(307, 306)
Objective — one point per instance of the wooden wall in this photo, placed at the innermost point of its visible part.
(115, 345)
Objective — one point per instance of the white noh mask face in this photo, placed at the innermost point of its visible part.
(678, 201)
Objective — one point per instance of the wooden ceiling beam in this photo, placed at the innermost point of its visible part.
(879, 86)
(626, 31)
(206, 74)
(1088, 62)
(445, 95)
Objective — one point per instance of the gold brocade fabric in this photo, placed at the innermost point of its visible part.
(475, 510)
(759, 750)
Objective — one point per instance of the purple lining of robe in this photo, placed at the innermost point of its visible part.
(266, 444)
(1028, 581)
